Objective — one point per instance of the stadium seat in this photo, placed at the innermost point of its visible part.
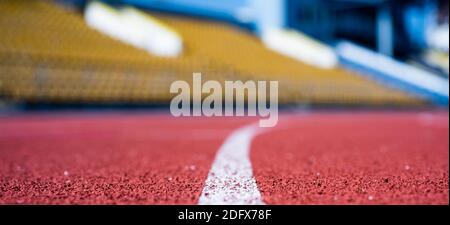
(48, 54)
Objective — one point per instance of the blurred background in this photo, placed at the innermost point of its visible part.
(126, 53)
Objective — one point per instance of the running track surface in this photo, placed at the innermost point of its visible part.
(309, 158)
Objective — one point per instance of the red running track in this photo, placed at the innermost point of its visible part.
(360, 158)
(107, 159)
(309, 158)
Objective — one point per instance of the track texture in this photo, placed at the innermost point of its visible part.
(107, 159)
(359, 158)
(309, 158)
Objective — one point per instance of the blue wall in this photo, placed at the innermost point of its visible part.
(255, 13)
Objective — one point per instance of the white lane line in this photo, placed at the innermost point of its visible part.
(230, 180)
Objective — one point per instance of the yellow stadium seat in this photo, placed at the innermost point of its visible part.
(48, 54)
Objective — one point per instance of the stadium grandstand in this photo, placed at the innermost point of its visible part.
(50, 55)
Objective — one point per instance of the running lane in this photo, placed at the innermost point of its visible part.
(354, 158)
(108, 159)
